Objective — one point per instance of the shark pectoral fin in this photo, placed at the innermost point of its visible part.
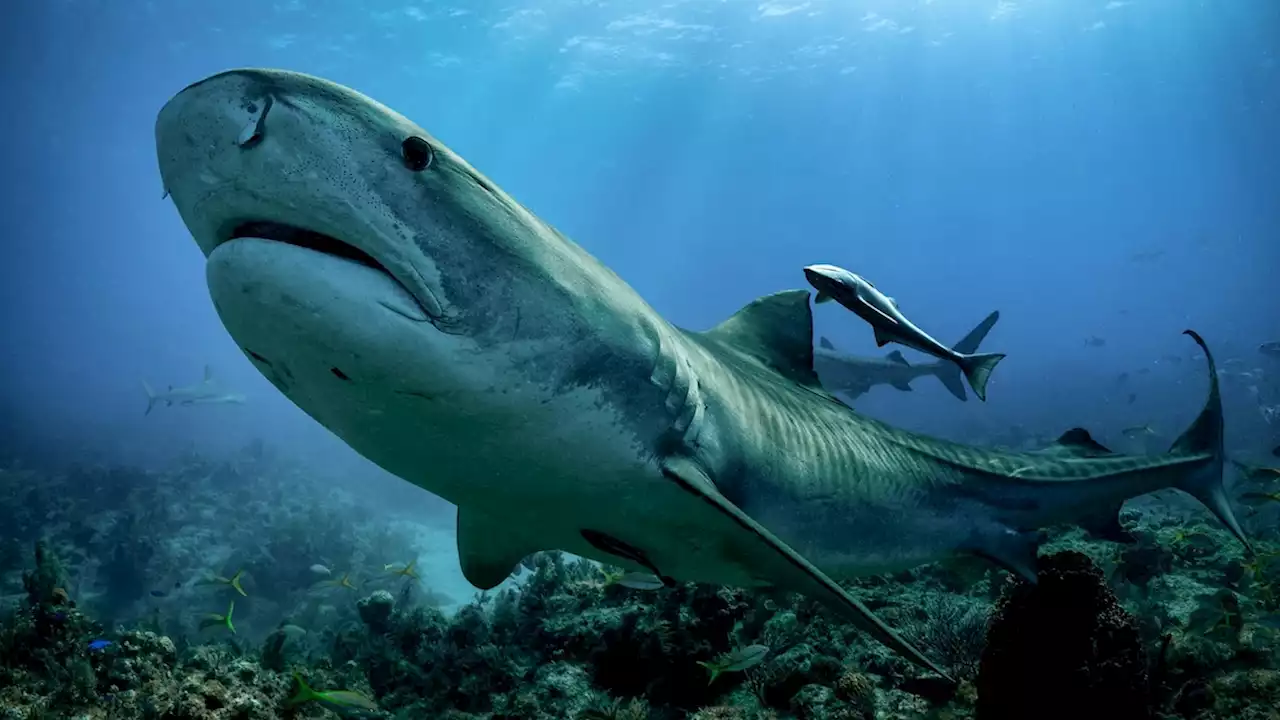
(487, 551)
(896, 357)
(1012, 550)
(801, 575)
(882, 338)
(902, 385)
(886, 316)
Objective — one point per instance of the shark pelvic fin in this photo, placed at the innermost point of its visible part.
(788, 566)
(902, 385)
(896, 357)
(777, 330)
(825, 344)
(208, 373)
(882, 338)
(1012, 550)
(487, 551)
(822, 298)
(1205, 437)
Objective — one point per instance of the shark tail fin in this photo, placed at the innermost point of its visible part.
(151, 397)
(951, 379)
(977, 370)
(969, 343)
(1205, 437)
(948, 373)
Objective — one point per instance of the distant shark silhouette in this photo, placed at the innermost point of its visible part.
(851, 376)
(206, 392)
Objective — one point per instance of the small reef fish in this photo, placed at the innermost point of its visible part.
(1256, 473)
(343, 702)
(99, 645)
(1270, 348)
(639, 581)
(216, 619)
(233, 581)
(890, 325)
(321, 570)
(1095, 341)
(344, 581)
(403, 570)
(738, 660)
(1262, 496)
(1134, 433)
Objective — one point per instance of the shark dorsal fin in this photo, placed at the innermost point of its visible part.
(1080, 442)
(208, 373)
(777, 330)
(896, 357)
(825, 344)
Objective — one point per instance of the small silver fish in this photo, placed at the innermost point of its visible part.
(743, 658)
(319, 569)
(640, 581)
(1134, 433)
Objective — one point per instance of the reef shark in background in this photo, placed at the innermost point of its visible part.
(205, 392)
(850, 375)
(446, 333)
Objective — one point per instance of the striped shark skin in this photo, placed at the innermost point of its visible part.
(442, 330)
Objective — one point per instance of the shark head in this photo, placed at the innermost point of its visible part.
(375, 277)
(834, 283)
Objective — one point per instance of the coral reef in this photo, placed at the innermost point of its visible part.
(105, 581)
(1062, 648)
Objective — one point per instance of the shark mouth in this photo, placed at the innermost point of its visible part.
(309, 239)
(426, 306)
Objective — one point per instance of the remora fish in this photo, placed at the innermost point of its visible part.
(443, 331)
(850, 376)
(880, 311)
(205, 392)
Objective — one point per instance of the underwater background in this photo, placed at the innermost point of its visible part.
(1103, 174)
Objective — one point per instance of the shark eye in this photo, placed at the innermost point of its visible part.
(417, 153)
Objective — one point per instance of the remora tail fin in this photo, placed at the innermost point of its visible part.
(1204, 437)
(948, 373)
(977, 370)
(151, 397)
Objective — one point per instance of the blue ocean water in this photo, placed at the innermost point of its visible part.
(1105, 174)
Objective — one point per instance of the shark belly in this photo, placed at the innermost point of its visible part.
(538, 465)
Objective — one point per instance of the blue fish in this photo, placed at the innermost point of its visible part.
(158, 593)
(99, 644)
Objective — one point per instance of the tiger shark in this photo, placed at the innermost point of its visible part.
(443, 331)
(205, 392)
(850, 376)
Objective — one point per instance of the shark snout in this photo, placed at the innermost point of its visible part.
(823, 278)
